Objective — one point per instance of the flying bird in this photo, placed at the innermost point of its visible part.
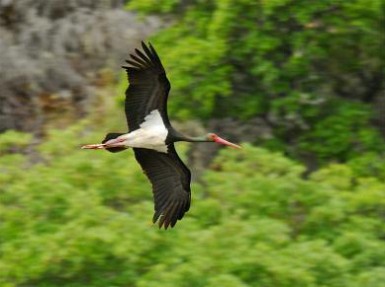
(152, 136)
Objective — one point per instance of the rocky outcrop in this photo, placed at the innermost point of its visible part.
(54, 53)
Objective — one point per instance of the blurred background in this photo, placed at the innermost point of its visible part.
(301, 84)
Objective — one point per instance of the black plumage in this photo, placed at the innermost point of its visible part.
(170, 178)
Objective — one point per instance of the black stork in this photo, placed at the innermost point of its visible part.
(152, 136)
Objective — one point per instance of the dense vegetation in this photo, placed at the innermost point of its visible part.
(314, 73)
(83, 219)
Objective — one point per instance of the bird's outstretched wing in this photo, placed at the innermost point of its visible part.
(170, 180)
(148, 89)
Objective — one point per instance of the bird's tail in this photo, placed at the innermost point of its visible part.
(111, 136)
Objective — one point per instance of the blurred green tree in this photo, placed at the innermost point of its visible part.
(78, 219)
(313, 72)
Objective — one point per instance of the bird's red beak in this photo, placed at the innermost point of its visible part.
(220, 140)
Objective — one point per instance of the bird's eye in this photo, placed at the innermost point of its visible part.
(212, 136)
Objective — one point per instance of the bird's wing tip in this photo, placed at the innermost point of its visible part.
(144, 46)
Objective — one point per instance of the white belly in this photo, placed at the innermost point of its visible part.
(152, 134)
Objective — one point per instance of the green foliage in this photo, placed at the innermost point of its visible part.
(265, 50)
(13, 141)
(311, 70)
(82, 218)
(344, 134)
(151, 6)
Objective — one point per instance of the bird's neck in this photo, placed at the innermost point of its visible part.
(177, 136)
(195, 139)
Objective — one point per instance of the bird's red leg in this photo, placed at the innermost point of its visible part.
(111, 143)
(94, 146)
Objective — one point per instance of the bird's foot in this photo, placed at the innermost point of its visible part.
(94, 146)
(118, 142)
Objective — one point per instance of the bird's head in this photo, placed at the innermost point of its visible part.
(211, 137)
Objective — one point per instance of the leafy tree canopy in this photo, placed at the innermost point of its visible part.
(313, 72)
(83, 219)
